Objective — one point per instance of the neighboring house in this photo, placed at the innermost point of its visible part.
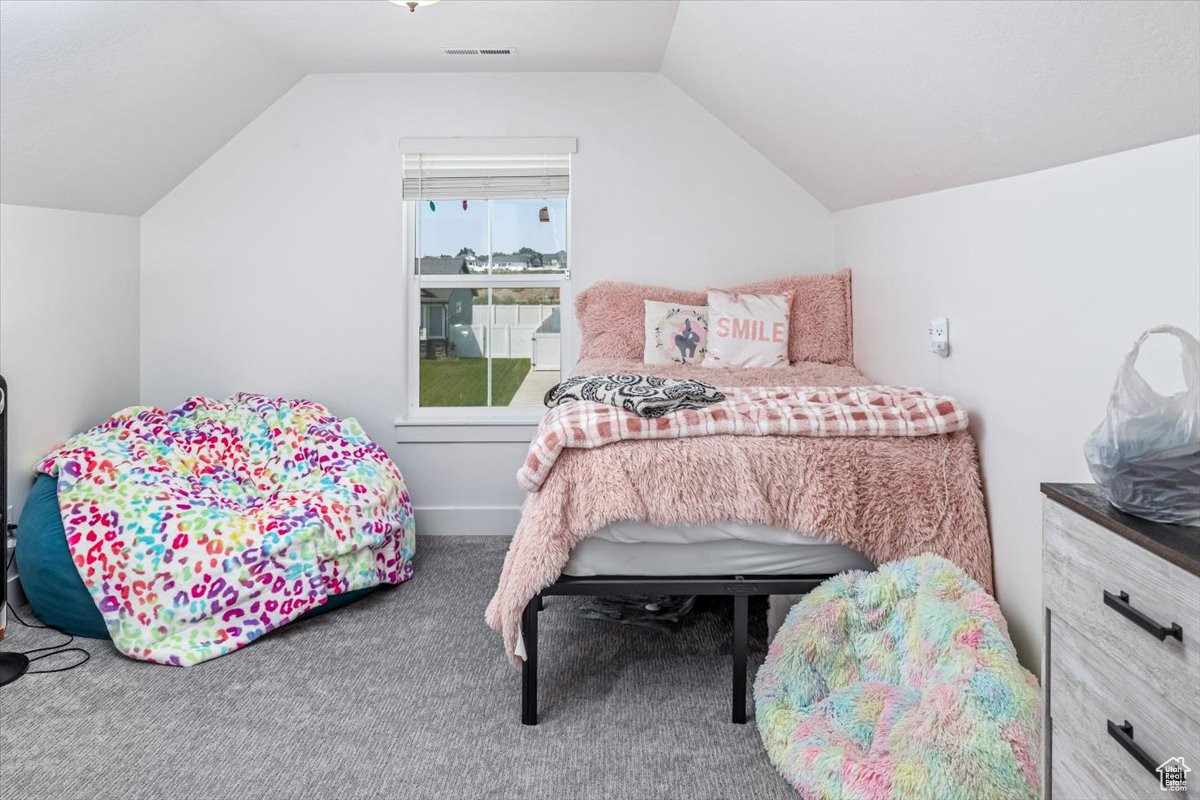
(441, 309)
(519, 262)
(555, 260)
(506, 263)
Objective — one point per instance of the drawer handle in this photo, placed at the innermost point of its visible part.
(1120, 602)
(1124, 736)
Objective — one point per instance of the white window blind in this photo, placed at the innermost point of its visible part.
(464, 176)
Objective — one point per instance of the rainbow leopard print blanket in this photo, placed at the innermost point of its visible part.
(199, 529)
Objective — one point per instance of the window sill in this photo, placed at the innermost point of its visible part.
(441, 430)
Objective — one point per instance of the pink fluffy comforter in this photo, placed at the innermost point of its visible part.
(887, 498)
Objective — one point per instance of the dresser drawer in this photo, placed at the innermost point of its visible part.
(1087, 689)
(1083, 560)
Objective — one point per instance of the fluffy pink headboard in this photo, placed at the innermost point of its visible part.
(611, 316)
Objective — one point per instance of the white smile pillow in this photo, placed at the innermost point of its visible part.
(747, 330)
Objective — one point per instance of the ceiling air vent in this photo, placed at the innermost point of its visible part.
(480, 51)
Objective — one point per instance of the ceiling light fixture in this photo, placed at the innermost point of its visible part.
(413, 5)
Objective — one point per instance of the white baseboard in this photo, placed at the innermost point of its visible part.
(476, 521)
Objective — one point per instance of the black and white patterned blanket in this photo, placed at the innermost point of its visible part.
(644, 395)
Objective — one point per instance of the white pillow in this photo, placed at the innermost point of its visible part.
(747, 330)
(675, 334)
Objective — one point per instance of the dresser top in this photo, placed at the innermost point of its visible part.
(1178, 544)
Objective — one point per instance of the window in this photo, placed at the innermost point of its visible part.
(488, 253)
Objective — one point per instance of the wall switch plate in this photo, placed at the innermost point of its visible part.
(939, 336)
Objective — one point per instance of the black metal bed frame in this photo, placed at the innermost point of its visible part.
(740, 587)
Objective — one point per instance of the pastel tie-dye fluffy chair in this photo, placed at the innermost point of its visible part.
(900, 683)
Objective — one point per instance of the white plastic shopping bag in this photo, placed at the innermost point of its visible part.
(1146, 453)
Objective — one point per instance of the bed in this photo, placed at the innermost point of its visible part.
(729, 559)
(628, 547)
(757, 514)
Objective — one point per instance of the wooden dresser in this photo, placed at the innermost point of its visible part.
(1121, 659)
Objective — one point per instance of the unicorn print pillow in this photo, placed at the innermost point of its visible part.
(747, 330)
(675, 334)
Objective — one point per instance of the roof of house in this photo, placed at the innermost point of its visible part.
(436, 295)
(439, 265)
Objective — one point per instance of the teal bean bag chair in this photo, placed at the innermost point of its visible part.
(900, 684)
(53, 586)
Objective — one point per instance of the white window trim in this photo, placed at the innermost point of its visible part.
(499, 145)
(415, 414)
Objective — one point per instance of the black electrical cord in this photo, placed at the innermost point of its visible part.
(58, 649)
(86, 658)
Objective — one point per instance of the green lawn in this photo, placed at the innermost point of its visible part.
(463, 381)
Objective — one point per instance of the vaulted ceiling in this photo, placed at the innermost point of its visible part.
(860, 102)
(107, 105)
(376, 36)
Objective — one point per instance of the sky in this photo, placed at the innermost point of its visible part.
(515, 224)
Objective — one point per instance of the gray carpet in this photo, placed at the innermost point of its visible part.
(406, 694)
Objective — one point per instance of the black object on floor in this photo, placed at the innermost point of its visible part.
(12, 666)
(662, 613)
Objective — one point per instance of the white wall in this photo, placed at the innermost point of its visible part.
(68, 327)
(1047, 279)
(276, 266)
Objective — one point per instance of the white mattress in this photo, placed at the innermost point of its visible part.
(726, 548)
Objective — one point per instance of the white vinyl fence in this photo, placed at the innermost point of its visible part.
(514, 335)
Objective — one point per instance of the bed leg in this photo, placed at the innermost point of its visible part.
(529, 636)
(741, 614)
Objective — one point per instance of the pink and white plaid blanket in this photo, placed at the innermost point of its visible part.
(749, 411)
